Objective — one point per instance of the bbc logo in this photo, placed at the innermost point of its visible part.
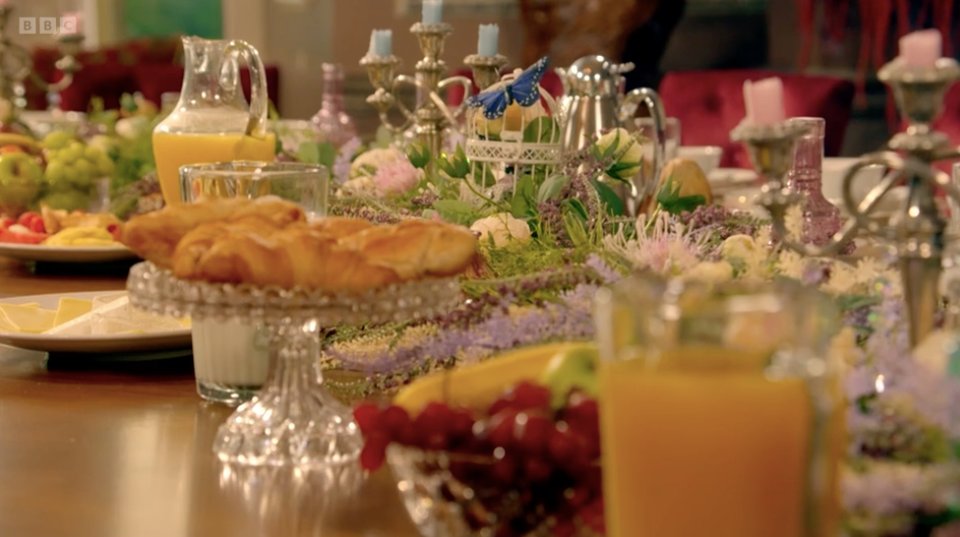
(48, 25)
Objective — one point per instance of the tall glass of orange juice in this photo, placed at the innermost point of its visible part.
(212, 121)
(720, 411)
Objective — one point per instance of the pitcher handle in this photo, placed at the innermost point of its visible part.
(258, 84)
(651, 99)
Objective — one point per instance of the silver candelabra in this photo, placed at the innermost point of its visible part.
(431, 116)
(920, 233)
(16, 65)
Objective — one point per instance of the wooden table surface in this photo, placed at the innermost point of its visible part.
(89, 449)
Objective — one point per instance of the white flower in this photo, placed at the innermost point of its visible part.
(129, 127)
(742, 249)
(791, 264)
(370, 161)
(626, 150)
(102, 142)
(503, 229)
(713, 272)
(361, 186)
(793, 221)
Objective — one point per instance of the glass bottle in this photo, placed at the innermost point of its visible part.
(332, 122)
(820, 218)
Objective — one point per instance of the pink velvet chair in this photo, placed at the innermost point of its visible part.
(710, 103)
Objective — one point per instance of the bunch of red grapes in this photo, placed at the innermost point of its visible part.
(529, 466)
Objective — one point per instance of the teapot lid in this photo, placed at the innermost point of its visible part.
(596, 75)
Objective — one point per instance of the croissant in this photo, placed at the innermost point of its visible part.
(295, 256)
(154, 236)
(340, 226)
(197, 242)
(415, 248)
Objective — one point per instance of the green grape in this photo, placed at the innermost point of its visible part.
(70, 200)
(55, 172)
(104, 164)
(72, 152)
(91, 153)
(83, 173)
(57, 140)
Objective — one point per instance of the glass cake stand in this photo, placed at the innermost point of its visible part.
(293, 419)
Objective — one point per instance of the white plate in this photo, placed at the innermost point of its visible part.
(65, 254)
(731, 177)
(173, 339)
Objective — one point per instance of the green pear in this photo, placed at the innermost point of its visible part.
(571, 369)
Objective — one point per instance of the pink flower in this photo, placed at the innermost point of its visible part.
(396, 177)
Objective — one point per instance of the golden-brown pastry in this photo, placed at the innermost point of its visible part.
(198, 241)
(154, 236)
(297, 256)
(340, 226)
(415, 248)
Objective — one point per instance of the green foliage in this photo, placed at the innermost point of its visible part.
(670, 199)
(457, 165)
(609, 198)
(456, 211)
(323, 153)
(551, 188)
(524, 202)
(541, 130)
(419, 155)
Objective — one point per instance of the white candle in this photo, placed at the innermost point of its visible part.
(430, 13)
(381, 43)
(71, 23)
(763, 101)
(921, 49)
(487, 40)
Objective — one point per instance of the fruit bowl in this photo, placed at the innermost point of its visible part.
(465, 495)
(523, 464)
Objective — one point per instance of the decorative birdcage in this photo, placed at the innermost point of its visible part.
(522, 140)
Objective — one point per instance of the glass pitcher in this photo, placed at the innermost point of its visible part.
(721, 410)
(212, 121)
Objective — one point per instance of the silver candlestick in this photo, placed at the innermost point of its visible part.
(919, 235)
(486, 69)
(16, 65)
(430, 117)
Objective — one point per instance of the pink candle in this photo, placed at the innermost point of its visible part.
(921, 49)
(763, 101)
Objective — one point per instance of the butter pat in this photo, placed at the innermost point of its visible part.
(28, 319)
(70, 308)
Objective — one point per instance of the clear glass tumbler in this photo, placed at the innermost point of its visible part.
(230, 358)
(721, 410)
(821, 219)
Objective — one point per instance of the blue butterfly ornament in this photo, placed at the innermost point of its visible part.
(523, 90)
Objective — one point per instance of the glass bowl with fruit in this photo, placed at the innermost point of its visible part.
(525, 464)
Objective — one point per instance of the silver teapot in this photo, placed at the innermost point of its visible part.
(594, 102)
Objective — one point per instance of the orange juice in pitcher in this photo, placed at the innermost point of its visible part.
(212, 121)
